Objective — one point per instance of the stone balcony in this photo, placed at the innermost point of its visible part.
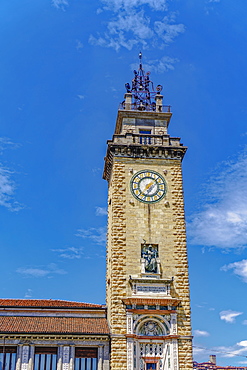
(130, 138)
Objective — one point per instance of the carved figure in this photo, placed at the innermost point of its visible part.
(150, 254)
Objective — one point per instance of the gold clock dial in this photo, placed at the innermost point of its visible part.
(148, 186)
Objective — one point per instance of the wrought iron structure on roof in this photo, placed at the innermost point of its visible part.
(142, 89)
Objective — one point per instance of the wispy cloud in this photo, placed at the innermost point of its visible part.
(28, 293)
(79, 45)
(222, 222)
(60, 4)
(239, 268)
(237, 349)
(7, 184)
(131, 23)
(118, 5)
(231, 351)
(101, 211)
(201, 333)
(199, 352)
(41, 271)
(6, 143)
(69, 253)
(97, 235)
(161, 65)
(229, 316)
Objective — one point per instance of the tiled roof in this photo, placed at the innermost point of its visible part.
(55, 303)
(49, 324)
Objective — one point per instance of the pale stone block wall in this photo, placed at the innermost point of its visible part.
(130, 222)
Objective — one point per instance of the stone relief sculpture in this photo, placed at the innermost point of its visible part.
(150, 255)
(150, 328)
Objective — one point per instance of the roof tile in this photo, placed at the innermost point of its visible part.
(56, 303)
(49, 324)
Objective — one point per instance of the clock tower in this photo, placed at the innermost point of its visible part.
(147, 281)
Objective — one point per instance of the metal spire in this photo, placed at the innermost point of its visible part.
(142, 89)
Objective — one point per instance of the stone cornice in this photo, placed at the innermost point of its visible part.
(161, 337)
(140, 151)
(58, 337)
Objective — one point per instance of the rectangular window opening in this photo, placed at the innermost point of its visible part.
(7, 357)
(145, 132)
(151, 366)
(86, 358)
(45, 358)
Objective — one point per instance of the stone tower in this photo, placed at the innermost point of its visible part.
(147, 270)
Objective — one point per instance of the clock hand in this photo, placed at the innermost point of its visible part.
(149, 185)
(150, 188)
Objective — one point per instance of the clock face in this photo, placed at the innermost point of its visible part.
(148, 186)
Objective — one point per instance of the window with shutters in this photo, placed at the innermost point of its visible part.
(7, 357)
(45, 358)
(86, 358)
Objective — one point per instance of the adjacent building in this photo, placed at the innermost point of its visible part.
(211, 365)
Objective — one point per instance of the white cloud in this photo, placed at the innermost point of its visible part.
(101, 211)
(238, 349)
(7, 184)
(200, 352)
(159, 65)
(131, 23)
(222, 222)
(79, 45)
(40, 272)
(97, 235)
(201, 333)
(117, 5)
(239, 268)
(7, 189)
(167, 29)
(60, 4)
(6, 143)
(28, 293)
(69, 253)
(229, 316)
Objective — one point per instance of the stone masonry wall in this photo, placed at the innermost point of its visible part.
(131, 222)
(116, 270)
(181, 279)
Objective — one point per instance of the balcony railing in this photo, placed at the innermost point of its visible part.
(145, 107)
(138, 139)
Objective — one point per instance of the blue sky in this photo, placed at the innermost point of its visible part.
(63, 67)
